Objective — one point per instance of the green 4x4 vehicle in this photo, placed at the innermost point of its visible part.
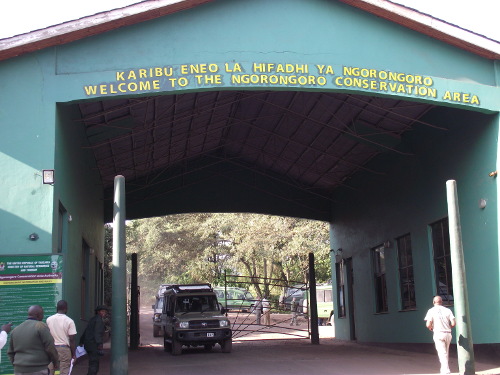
(238, 299)
(192, 317)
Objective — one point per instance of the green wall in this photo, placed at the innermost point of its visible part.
(410, 196)
(79, 190)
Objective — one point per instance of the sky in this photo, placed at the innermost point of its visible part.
(18, 17)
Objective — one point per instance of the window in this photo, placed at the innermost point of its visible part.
(378, 254)
(339, 268)
(442, 260)
(406, 276)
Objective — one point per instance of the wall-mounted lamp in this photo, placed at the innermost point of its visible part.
(33, 236)
(482, 203)
(338, 256)
(493, 174)
(70, 218)
(48, 176)
(387, 244)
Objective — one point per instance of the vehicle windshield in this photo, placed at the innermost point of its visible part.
(196, 304)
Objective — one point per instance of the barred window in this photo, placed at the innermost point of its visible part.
(339, 268)
(378, 255)
(442, 260)
(406, 275)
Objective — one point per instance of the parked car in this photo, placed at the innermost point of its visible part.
(236, 299)
(324, 301)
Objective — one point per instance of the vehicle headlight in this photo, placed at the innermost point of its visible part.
(223, 323)
(183, 324)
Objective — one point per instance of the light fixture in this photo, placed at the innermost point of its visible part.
(493, 174)
(387, 244)
(33, 236)
(482, 203)
(48, 176)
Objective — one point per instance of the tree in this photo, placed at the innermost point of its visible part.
(193, 248)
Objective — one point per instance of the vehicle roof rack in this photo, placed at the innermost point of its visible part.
(191, 288)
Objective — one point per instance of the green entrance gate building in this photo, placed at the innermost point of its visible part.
(342, 111)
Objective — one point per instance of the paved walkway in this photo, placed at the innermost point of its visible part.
(288, 357)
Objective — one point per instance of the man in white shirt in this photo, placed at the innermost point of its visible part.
(440, 320)
(63, 330)
(3, 335)
(266, 311)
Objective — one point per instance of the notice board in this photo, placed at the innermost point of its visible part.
(27, 280)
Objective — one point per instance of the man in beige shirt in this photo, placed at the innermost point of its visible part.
(63, 330)
(440, 320)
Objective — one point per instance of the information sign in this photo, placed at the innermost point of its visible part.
(27, 281)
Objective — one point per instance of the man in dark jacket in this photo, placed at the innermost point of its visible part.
(92, 338)
(31, 346)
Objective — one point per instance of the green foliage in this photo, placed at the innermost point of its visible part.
(195, 248)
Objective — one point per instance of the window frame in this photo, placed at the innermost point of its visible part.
(440, 243)
(379, 279)
(341, 308)
(406, 272)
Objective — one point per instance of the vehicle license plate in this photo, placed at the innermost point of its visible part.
(210, 334)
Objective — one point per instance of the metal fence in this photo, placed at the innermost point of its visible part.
(265, 309)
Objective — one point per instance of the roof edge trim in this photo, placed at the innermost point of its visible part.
(433, 27)
(147, 10)
(91, 25)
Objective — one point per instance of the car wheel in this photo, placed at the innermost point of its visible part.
(156, 331)
(227, 345)
(176, 347)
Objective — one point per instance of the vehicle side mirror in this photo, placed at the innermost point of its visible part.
(223, 310)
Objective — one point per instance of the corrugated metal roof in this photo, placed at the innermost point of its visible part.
(313, 142)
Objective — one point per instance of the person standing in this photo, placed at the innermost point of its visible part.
(92, 338)
(266, 311)
(294, 307)
(31, 346)
(3, 335)
(63, 330)
(440, 320)
(257, 308)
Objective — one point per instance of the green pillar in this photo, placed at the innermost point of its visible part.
(465, 349)
(119, 353)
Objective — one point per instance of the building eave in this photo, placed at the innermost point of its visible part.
(433, 27)
(147, 10)
(92, 25)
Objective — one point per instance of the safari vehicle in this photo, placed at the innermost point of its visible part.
(236, 299)
(191, 316)
(157, 311)
(324, 301)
